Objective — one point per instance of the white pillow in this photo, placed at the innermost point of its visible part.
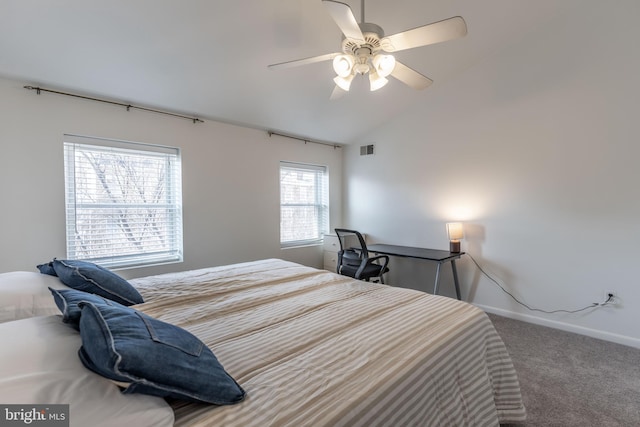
(24, 294)
(39, 364)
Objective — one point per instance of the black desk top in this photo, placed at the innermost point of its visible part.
(410, 252)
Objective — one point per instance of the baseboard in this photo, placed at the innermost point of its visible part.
(594, 333)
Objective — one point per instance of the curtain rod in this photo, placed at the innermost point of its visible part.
(305, 140)
(128, 106)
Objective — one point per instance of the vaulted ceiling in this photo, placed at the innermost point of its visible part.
(209, 58)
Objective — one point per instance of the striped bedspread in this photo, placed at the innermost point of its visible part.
(312, 348)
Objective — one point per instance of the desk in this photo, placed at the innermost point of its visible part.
(434, 255)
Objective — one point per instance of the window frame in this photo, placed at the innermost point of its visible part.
(168, 208)
(320, 204)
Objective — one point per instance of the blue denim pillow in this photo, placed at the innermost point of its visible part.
(154, 357)
(47, 268)
(94, 279)
(67, 301)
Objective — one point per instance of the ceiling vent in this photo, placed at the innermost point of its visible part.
(366, 150)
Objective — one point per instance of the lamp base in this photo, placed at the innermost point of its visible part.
(454, 247)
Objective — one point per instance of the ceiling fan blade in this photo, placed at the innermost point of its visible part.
(342, 14)
(338, 92)
(436, 32)
(410, 77)
(304, 61)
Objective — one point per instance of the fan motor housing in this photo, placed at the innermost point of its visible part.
(372, 34)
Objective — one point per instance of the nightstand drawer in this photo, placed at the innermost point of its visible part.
(330, 261)
(331, 243)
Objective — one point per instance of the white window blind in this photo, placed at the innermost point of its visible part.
(123, 202)
(304, 203)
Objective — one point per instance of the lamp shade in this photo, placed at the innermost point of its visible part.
(454, 231)
(343, 83)
(342, 65)
(384, 64)
(376, 81)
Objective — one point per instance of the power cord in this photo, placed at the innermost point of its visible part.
(610, 296)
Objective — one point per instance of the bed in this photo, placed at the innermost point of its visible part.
(312, 348)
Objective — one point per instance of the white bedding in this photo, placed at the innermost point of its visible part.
(39, 365)
(25, 294)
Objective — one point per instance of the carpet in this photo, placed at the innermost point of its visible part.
(572, 380)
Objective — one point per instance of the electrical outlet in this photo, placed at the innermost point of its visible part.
(614, 299)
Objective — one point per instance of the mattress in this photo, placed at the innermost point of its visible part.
(313, 348)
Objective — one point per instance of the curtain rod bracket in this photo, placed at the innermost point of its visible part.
(271, 133)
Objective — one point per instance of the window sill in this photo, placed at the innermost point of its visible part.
(302, 245)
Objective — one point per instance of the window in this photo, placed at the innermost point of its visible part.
(123, 202)
(304, 204)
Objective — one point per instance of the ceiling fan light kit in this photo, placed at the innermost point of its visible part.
(343, 64)
(384, 64)
(343, 83)
(376, 81)
(366, 50)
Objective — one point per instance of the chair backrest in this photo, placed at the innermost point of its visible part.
(353, 257)
(352, 239)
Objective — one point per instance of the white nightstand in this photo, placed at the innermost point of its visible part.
(331, 248)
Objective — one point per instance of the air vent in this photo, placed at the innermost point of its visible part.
(366, 150)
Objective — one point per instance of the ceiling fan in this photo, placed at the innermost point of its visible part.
(366, 50)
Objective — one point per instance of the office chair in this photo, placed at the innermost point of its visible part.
(354, 261)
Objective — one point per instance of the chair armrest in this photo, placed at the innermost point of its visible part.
(377, 257)
(371, 260)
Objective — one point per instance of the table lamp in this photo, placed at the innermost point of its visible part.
(454, 232)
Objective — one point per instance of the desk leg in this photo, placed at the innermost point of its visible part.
(455, 278)
(435, 286)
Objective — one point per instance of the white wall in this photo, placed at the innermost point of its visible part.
(230, 180)
(536, 150)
